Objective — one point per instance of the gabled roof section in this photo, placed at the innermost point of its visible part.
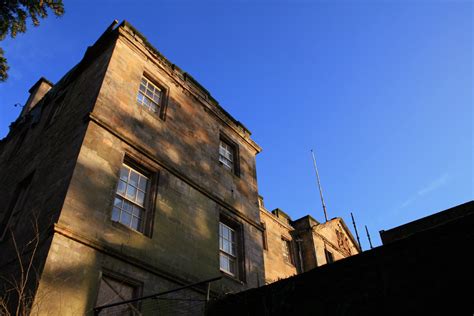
(349, 233)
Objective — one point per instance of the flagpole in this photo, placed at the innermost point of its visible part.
(319, 186)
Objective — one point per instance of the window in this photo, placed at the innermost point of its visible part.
(226, 155)
(149, 95)
(16, 205)
(228, 249)
(130, 199)
(113, 291)
(287, 251)
(229, 155)
(329, 256)
(264, 236)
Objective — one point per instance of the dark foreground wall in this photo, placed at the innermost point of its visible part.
(427, 273)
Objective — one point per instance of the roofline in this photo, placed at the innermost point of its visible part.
(427, 222)
(348, 231)
(309, 217)
(276, 219)
(190, 78)
(40, 80)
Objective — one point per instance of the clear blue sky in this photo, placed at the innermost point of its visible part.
(382, 90)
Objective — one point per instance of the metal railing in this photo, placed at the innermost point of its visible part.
(181, 300)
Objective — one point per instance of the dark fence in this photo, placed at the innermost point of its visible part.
(179, 301)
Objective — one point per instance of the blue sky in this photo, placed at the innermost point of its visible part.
(381, 90)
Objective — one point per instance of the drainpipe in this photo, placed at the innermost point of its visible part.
(298, 241)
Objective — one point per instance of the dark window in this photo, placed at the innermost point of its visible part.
(288, 251)
(112, 290)
(16, 206)
(329, 256)
(264, 237)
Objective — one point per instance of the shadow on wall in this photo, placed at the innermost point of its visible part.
(188, 143)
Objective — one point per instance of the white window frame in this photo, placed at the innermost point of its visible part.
(228, 237)
(138, 203)
(226, 155)
(287, 251)
(150, 95)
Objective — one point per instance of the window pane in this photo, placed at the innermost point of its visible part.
(116, 214)
(133, 178)
(127, 206)
(137, 211)
(118, 202)
(226, 246)
(140, 98)
(142, 184)
(124, 173)
(126, 218)
(131, 192)
(135, 223)
(224, 263)
(121, 187)
(140, 197)
(232, 266)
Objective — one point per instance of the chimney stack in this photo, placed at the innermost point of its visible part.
(37, 92)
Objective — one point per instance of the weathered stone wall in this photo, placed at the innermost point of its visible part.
(192, 189)
(73, 280)
(404, 277)
(276, 267)
(333, 237)
(309, 240)
(47, 149)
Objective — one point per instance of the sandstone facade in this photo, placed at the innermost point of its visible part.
(127, 118)
(296, 246)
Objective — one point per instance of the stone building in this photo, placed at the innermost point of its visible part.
(126, 178)
(408, 275)
(292, 247)
(137, 178)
